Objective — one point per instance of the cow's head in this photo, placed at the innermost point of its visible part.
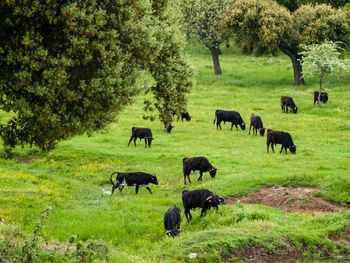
(187, 116)
(174, 232)
(295, 109)
(149, 141)
(170, 127)
(214, 201)
(262, 131)
(212, 172)
(242, 126)
(154, 179)
(293, 149)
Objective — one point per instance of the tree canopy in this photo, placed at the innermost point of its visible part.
(69, 68)
(293, 5)
(265, 25)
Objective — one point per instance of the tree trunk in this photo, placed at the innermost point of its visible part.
(297, 67)
(215, 52)
(227, 42)
(319, 94)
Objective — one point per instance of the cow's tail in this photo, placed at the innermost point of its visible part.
(214, 118)
(114, 186)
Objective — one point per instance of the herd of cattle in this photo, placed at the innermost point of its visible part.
(203, 198)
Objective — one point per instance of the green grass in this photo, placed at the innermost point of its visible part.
(70, 179)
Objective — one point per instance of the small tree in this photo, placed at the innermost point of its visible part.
(322, 59)
(203, 19)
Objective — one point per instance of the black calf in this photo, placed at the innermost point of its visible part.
(202, 198)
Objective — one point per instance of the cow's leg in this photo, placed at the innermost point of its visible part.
(145, 143)
(250, 128)
(236, 127)
(130, 140)
(273, 150)
(137, 188)
(285, 149)
(135, 141)
(232, 125)
(282, 149)
(188, 177)
(218, 124)
(121, 188)
(200, 175)
(204, 211)
(268, 146)
(149, 189)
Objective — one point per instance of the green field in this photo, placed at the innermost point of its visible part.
(71, 178)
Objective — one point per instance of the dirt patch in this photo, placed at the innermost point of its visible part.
(259, 254)
(289, 199)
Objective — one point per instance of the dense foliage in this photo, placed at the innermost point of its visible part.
(322, 59)
(265, 25)
(293, 5)
(203, 19)
(69, 68)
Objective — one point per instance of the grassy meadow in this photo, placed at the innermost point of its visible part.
(71, 178)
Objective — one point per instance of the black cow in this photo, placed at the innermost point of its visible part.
(257, 124)
(138, 179)
(172, 221)
(185, 115)
(197, 163)
(170, 127)
(202, 198)
(141, 133)
(231, 116)
(287, 102)
(262, 131)
(324, 96)
(279, 137)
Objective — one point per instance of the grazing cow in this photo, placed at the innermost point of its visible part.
(170, 127)
(262, 131)
(324, 96)
(172, 221)
(185, 115)
(197, 163)
(138, 179)
(279, 137)
(202, 198)
(287, 102)
(231, 116)
(257, 124)
(141, 133)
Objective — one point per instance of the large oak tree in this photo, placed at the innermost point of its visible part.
(265, 25)
(70, 67)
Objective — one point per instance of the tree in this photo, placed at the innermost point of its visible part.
(69, 68)
(322, 59)
(203, 19)
(265, 25)
(293, 5)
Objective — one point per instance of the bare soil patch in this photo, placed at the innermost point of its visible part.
(289, 199)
